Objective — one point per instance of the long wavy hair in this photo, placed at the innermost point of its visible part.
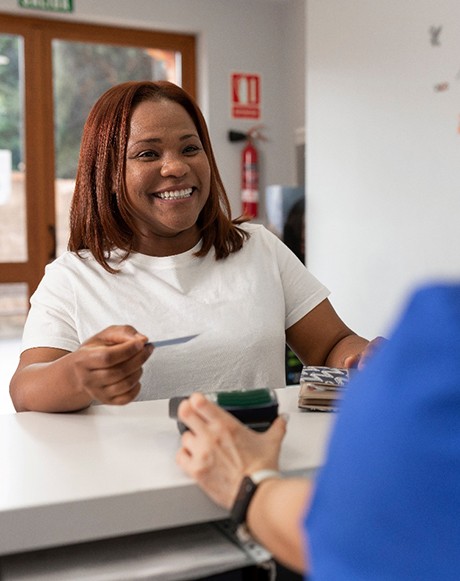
(101, 221)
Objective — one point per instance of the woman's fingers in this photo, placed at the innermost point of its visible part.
(109, 365)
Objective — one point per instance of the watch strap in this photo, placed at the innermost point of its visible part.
(260, 475)
(246, 491)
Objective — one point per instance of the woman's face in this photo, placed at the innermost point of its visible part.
(167, 177)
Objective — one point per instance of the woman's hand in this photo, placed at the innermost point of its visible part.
(108, 366)
(359, 360)
(218, 450)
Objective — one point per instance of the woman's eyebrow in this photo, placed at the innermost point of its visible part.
(159, 139)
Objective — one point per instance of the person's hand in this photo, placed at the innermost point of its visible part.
(359, 360)
(218, 450)
(108, 366)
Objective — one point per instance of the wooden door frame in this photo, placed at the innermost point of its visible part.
(38, 34)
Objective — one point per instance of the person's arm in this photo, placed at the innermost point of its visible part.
(275, 516)
(322, 338)
(106, 368)
(218, 451)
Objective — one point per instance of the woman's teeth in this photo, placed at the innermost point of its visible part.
(175, 194)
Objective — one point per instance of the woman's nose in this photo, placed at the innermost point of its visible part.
(174, 166)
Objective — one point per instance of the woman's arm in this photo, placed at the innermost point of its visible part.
(322, 338)
(106, 368)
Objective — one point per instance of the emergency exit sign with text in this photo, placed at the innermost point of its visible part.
(49, 5)
(245, 96)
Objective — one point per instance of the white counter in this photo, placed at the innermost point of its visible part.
(110, 471)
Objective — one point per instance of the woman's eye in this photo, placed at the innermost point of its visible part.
(147, 155)
(191, 149)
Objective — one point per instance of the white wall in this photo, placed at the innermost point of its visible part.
(383, 163)
(260, 36)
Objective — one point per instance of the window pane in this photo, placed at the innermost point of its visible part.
(13, 232)
(81, 73)
(14, 303)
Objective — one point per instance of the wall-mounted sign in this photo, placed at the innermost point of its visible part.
(49, 5)
(245, 91)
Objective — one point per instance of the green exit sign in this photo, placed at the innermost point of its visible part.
(49, 5)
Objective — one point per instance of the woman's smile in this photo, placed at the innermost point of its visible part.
(174, 194)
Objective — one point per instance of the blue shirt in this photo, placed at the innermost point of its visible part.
(387, 501)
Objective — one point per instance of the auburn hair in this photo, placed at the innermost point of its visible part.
(101, 221)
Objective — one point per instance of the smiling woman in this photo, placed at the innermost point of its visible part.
(163, 142)
(154, 254)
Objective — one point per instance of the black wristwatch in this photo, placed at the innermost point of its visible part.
(247, 490)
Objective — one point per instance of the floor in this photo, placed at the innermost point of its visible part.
(9, 356)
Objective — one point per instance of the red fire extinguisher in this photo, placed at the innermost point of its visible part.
(250, 179)
(249, 170)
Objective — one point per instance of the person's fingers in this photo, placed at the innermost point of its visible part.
(278, 428)
(119, 334)
(211, 412)
(352, 361)
(183, 459)
(196, 412)
(376, 344)
(126, 397)
(194, 454)
(187, 415)
(122, 385)
(200, 415)
(197, 454)
(104, 383)
(108, 356)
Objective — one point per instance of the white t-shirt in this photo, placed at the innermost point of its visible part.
(240, 306)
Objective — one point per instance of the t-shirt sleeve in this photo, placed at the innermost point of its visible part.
(51, 318)
(302, 290)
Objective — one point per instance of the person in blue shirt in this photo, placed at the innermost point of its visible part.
(385, 504)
